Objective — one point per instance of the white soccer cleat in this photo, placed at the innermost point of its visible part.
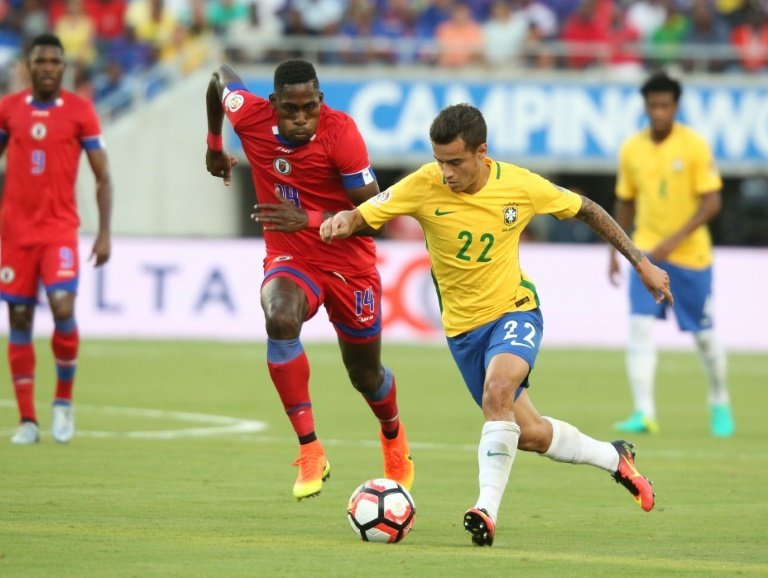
(27, 433)
(63, 427)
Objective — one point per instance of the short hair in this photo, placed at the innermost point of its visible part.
(459, 121)
(295, 71)
(661, 82)
(46, 39)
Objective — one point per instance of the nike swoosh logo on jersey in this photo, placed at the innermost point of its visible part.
(439, 213)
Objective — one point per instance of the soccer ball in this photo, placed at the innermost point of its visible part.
(381, 510)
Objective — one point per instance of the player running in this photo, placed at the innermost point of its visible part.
(309, 161)
(473, 210)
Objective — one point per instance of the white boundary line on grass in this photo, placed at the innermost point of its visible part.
(437, 446)
(215, 424)
(218, 425)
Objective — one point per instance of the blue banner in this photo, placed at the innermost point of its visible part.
(544, 120)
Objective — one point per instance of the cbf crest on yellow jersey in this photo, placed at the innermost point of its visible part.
(666, 181)
(474, 239)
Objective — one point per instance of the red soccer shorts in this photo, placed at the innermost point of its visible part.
(353, 303)
(56, 264)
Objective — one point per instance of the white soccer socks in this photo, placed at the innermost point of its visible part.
(571, 446)
(641, 358)
(713, 357)
(495, 456)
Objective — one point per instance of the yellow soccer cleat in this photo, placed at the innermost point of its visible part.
(314, 469)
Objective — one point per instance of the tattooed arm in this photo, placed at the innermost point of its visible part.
(655, 280)
(603, 224)
(624, 213)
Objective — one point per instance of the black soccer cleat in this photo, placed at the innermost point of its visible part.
(478, 523)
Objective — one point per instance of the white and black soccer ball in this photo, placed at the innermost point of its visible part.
(381, 510)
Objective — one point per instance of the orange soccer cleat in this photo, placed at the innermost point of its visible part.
(628, 476)
(398, 464)
(314, 469)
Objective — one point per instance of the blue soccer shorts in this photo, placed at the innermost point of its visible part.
(518, 333)
(692, 290)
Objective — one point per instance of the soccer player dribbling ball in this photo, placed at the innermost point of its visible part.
(45, 129)
(473, 210)
(309, 161)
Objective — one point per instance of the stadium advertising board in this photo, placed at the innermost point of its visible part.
(545, 121)
(209, 289)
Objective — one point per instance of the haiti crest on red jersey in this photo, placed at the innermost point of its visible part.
(282, 166)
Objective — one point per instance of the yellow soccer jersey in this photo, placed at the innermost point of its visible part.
(666, 180)
(473, 240)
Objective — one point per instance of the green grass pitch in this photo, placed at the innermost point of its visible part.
(154, 486)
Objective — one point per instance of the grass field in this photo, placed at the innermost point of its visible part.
(155, 485)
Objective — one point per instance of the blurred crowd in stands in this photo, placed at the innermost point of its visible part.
(706, 35)
(116, 47)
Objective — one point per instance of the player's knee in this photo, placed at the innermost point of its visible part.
(498, 399)
(364, 379)
(63, 311)
(535, 436)
(20, 317)
(62, 304)
(282, 325)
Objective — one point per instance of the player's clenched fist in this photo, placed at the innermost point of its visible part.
(656, 280)
(219, 164)
(341, 225)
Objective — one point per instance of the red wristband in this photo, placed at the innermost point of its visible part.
(315, 219)
(214, 142)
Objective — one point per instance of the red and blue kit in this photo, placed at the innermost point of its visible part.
(314, 176)
(39, 218)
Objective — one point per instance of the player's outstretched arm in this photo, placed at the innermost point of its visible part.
(285, 217)
(342, 225)
(359, 196)
(655, 280)
(217, 161)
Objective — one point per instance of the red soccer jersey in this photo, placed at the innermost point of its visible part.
(314, 176)
(44, 142)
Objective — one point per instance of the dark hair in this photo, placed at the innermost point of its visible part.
(46, 39)
(295, 71)
(660, 82)
(459, 121)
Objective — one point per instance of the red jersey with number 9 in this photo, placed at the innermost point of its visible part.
(43, 143)
(314, 176)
